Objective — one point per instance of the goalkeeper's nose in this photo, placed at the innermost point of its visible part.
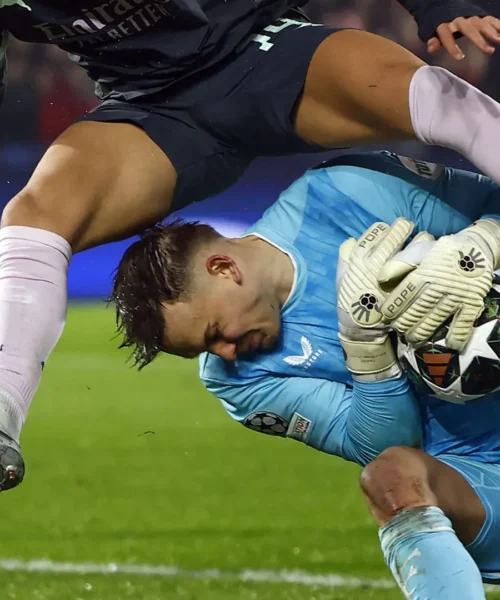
(11, 463)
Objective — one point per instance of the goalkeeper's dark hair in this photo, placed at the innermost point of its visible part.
(154, 269)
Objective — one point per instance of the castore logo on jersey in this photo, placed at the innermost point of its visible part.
(308, 356)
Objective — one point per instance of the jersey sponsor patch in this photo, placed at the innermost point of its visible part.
(423, 168)
(299, 429)
(267, 422)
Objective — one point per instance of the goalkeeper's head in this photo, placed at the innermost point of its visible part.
(184, 289)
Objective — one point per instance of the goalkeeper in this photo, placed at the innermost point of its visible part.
(276, 361)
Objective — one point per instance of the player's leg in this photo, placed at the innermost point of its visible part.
(364, 88)
(427, 513)
(98, 182)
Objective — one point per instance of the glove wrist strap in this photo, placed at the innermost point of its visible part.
(390, 373)
(373, 360)
(489, 231)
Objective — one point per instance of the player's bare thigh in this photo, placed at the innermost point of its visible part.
(402, 478)
(357, 91)
(97, 182)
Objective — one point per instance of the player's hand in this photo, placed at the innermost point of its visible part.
(452, 280)
(483, 32)
(362, 332)
(11, 463)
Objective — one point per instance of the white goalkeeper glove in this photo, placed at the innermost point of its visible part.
(452, 280)
(363, 335)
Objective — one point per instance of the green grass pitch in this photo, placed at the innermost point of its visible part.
(147, 469)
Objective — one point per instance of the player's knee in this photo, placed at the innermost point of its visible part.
(30, 208)
(396, 480)
(24, 206)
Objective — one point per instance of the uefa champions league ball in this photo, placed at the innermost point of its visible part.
(459, 376)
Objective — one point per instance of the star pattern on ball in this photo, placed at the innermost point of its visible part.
(478, 346)
(453, 376)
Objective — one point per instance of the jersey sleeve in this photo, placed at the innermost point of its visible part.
(354, 423)
(429, 14)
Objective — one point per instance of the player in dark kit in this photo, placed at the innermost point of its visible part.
(192, 91)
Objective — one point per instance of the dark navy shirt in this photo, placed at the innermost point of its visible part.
(140, 47)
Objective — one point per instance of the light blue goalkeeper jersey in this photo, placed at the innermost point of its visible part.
(302, 389)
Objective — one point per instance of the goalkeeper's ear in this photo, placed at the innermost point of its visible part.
(405, 261)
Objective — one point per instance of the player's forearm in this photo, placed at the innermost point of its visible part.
(429, 14)
(382, 414)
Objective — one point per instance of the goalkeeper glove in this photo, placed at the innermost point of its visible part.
(363, 335)
(452, 280)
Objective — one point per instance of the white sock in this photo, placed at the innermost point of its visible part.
(33, 300)
(447, 111)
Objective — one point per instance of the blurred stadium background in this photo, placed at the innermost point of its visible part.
(138, 485)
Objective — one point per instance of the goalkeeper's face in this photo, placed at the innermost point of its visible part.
(230, 311)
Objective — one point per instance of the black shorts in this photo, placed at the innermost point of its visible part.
(212, 129)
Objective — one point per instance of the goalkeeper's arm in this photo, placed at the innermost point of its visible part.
(355, 423)
(382, 414)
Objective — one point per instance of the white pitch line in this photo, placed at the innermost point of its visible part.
(251, 575)
(330, 580)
